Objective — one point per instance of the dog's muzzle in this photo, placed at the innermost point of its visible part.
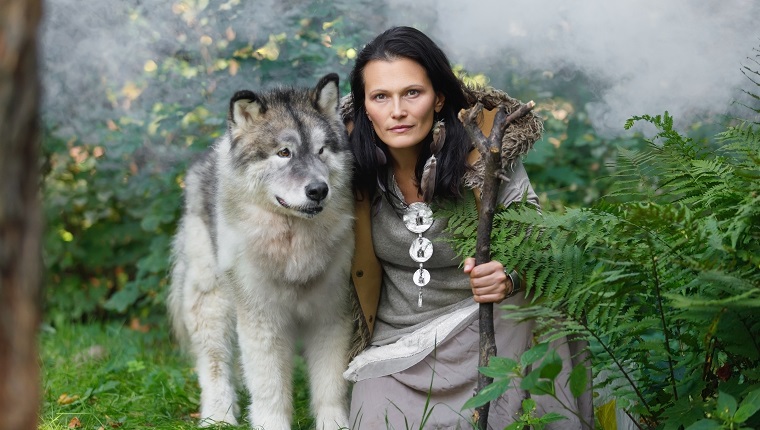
(316, 192)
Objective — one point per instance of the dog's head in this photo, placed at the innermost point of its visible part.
(288, 147)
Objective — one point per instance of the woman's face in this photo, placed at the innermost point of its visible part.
(400, 101)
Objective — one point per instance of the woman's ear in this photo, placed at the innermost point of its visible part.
(439, 100)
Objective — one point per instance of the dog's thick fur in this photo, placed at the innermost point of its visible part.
(263, 253)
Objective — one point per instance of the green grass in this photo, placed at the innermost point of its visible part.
(115, 377)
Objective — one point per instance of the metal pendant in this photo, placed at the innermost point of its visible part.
(421, 277)
(418, 217)
(421, 249)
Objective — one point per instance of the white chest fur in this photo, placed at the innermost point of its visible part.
(292, 249)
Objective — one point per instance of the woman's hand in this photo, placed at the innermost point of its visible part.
(488, 281)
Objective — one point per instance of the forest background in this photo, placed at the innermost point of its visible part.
(134, 89)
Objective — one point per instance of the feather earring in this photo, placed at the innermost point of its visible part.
(428, 179)
(430, 170)
(439, 137)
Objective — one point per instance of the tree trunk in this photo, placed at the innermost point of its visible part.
(20, 215)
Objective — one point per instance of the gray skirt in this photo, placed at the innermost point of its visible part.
(440, 384)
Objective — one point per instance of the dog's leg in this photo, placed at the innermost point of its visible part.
(266, 347)
(326, 344)
(212, 326)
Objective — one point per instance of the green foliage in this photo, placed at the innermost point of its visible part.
(537, 372)
(570, 164)
(109, 220)
(662, 275)
(528, 419)
(729, 414)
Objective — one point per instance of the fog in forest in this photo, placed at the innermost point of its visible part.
(637, 57)
(640, 57)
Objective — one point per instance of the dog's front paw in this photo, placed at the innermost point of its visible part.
(219, 405)
(333, 418)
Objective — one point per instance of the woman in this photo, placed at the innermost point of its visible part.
(410, 149)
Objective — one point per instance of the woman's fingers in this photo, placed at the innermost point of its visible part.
(488, 281)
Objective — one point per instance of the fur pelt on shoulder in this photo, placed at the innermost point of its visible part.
(518, 138)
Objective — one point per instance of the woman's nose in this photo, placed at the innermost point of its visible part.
(398, 110)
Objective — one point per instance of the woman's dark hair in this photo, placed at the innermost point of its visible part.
(409, 43)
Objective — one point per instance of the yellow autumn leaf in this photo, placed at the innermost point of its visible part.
(131, 91)
(65, 399)
(606, 415)
(150, 66)
(271, 50)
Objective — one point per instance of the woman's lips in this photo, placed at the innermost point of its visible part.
(400, 128)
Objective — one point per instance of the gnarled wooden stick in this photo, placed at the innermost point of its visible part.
(490, 150)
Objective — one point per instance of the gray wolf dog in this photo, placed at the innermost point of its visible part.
(262, 254)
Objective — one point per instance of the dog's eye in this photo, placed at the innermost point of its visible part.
(321, 150)
(283, 153)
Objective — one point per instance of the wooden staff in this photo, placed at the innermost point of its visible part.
(490, 150)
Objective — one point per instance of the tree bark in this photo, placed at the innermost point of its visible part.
(490, 150)
(20, 215)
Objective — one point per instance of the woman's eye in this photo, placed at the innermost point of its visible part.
(283, 153)
(413, 92)
(379, 97)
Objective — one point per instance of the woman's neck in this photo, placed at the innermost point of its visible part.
(403, 161)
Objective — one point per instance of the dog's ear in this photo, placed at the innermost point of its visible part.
(246, 106)
(327, 95)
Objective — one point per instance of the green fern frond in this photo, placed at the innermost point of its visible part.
(662, 276)
(740, 138)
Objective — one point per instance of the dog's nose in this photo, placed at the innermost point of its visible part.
(316, 191)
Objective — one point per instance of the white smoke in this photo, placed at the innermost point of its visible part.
(640, 56)
(643, 56)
